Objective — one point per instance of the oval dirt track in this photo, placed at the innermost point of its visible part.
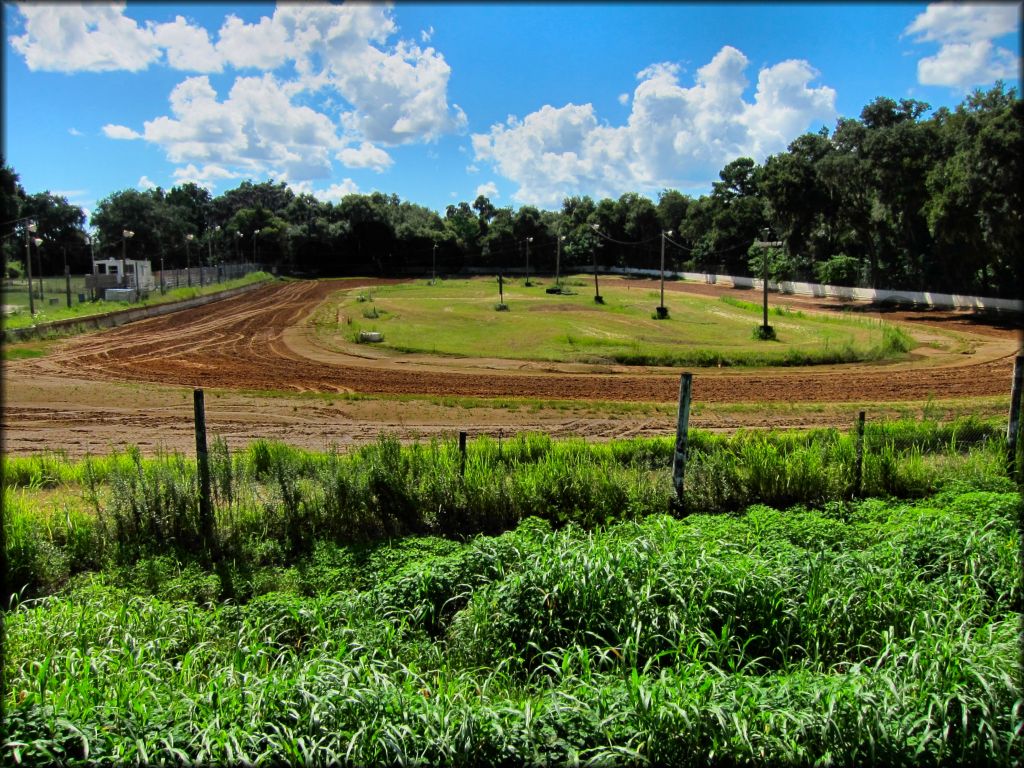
(129, 385)
(255, 342)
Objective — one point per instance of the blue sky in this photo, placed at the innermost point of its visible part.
(526, 103)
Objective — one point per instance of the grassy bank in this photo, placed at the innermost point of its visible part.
(50, 313)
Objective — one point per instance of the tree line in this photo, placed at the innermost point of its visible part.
(893, 199)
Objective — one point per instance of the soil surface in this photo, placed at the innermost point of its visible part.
(259, 361)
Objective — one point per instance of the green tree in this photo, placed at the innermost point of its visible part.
(61, 227)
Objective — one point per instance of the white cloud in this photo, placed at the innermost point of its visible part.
(332, 82)
(472, 168)
(968, 55)
(964, 65)
(490, 190)
(120, 132)
(397, 93)
(84, 37)
(674, 136)
(263, 45)
(207, 176)
(964, 22)
(75, 132)
(332, 194)
(187, 47)
(366, 156)
(623, 99)
(255, 129)
(145, 183)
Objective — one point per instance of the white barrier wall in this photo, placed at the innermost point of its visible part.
(941, 300)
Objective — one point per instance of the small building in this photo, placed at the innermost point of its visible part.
(127, 278)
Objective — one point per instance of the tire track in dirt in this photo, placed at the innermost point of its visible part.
(244, 343)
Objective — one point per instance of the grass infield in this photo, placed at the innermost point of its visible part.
(458, 318)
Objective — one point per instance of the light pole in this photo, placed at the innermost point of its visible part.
(238, 248)
(30, 229)
(558, 263)
(188, 259)
(91, 242)
(209, 255)
(67, 274)
(766, 332)
(126, 234)
(764, 275)
(662, 312)
(254, 233)
(528, 241)
(39, 260)
(433, 266)
(593, 249)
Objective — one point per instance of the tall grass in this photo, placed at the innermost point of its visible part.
(862, 633)
(273, 502)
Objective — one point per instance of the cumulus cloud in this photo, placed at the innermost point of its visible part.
(331, 194)
(146, 183)
(397, 93)
(112, 131)
(674, 136)
(87, 37)
(964, 22)
(188, 47)
(256, 128)
(968, 55)
(366, 156)
(490, 190)
(74, 131)
(207, 176)
(296, 65)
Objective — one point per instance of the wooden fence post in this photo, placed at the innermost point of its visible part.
(1013, 427)
(203, 461)
(682, 436)
(859, 469)
(462, 453)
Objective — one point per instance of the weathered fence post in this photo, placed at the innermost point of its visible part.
(859, 467)
(1013, 427)
(682, 436)
(462, 453)
(203, 461)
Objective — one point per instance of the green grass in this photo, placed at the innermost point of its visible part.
(866, 632)
(22, 352)
(47, 313)
(273, 503)
(456, 317)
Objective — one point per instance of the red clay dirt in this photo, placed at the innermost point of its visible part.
(261, 342)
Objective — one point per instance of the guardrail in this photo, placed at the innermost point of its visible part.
(820, 290)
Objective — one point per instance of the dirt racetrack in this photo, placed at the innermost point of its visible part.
(88, 393)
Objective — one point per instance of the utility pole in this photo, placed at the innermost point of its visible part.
(558, 263)
(766, 330)
(67, 274)
(30, 229)
(433, 265)
(662, 312)
(528, 241)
